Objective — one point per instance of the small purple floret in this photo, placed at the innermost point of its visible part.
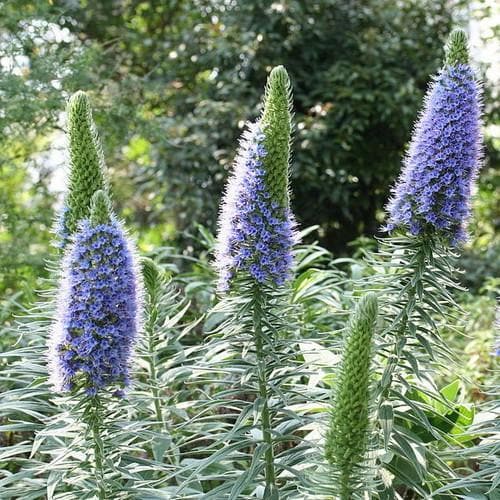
(256, 234)
(98, 312)
(60, 230)
(433, 192)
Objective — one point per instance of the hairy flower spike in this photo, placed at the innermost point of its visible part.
(433, 192)
(348, 433)
(99, 310)
(86, 174)
(256, 226)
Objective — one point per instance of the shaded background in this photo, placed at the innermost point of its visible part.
(172, 83)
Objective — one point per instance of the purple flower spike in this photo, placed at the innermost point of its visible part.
(432, 195)
(98, 312)
(256, 234)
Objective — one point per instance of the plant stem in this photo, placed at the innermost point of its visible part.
(150, 329)
(399, 341)
(417, 263)
(270, 474)
(96, 425)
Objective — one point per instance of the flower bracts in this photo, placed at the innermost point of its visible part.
(86, 174)
(433, 192)
(256, 226)
(99, 307)
(347, 438)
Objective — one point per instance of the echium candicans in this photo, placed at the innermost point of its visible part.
(86, 173)
(254, 254)
(99, 307)
(348, 436)
(432, 195)
(256, 226)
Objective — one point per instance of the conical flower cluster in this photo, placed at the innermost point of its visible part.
(87, 167)
(432, 196)
(348, 432)
(256, 226)
(99, 307)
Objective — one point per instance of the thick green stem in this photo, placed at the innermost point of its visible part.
(271, 490)
(153, 378)
(95, 424)
(399, 342)
(346, 491)
(418, 265)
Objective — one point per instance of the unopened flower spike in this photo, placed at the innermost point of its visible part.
(347, 439)
(256, 227)
(99, 307)
(432, 195)
(151, 273)
(86, 175)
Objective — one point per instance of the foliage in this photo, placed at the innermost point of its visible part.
(480, 260)
(230, 395)
(347, 440)
(26, 213)
(147, 451)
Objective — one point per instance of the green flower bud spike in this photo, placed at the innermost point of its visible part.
(457, 50)
(86, 164)
(157, 291)
(347, 437)
(100, 208)
(151, 274)
(276, 124)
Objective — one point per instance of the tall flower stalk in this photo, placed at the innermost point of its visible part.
(97, 321)
(429, 212)
(154, 285)
(256, 236)
(348, 436)
(432, 196)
